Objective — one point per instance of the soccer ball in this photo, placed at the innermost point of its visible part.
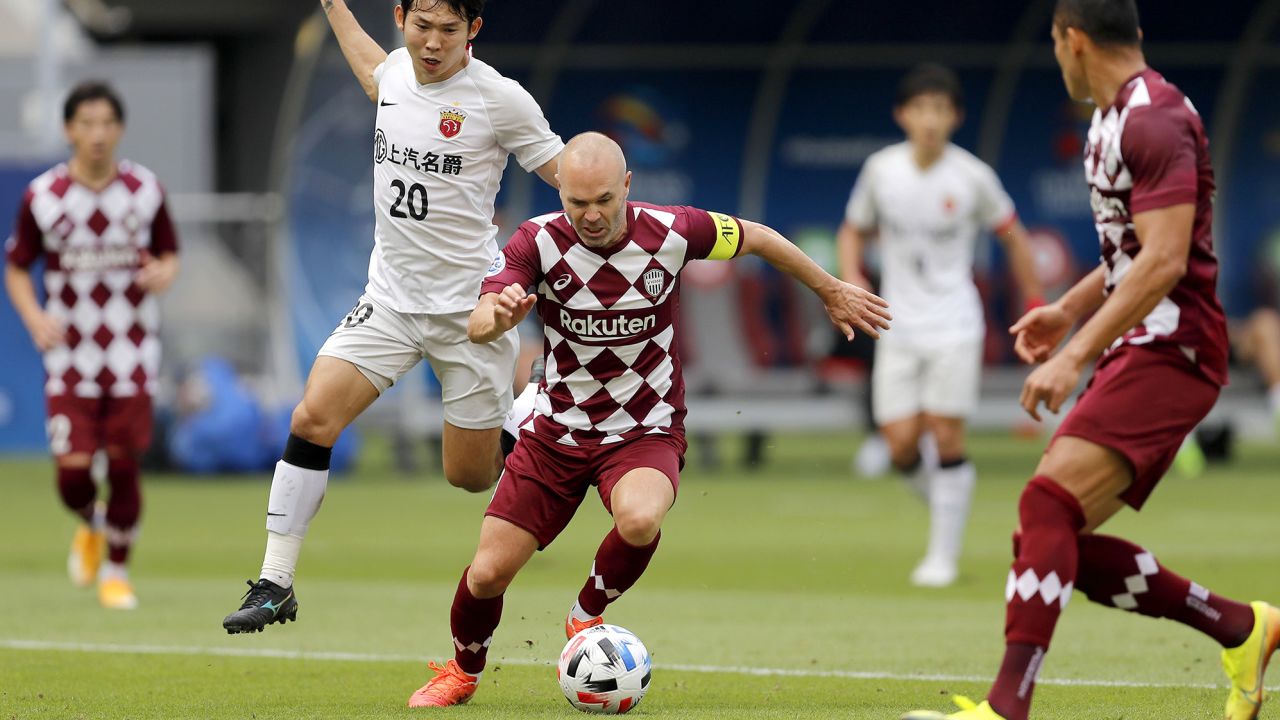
(605, 670)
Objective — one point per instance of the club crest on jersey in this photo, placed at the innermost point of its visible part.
(451, 119)
(654, 281)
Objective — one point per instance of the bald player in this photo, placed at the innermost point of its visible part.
(610, 410)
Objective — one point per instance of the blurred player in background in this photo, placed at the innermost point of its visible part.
(926, 200)
(611, 410)
(446, 124)
(1159, 338)
(103, 230)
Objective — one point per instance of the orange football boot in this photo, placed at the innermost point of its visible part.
(450, 686)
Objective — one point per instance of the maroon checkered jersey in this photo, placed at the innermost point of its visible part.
(93, 243)
(613, 362)
(1147, 151)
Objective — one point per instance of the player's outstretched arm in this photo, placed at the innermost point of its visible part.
(46, 331)
(1017, 247)
(1039, 332)
(362, 53)
(849, 306)
(496, 313)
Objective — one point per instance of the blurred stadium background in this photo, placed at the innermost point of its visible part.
(250, 116)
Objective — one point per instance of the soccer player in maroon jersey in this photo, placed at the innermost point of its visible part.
(104, 232)
(1158, 341)
(610, 411)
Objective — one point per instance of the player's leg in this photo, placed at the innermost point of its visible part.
(896, 405)
(73, 430)
(538, 494)
(1259, 343)
(127, 434)
(368, 351)
(336, 393)
(951, 486)
(638, 484)
(950, 382)
(475, 385)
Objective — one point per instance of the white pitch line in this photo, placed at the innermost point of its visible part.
(46, 645)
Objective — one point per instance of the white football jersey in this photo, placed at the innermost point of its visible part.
(928, 223)
(439, 151)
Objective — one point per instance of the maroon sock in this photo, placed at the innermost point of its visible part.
(618, 565)
(76, 487)
(1117, 573)
(123, 508)
(1039, 586)
(473, 621)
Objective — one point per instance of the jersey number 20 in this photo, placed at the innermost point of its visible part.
(414, 198)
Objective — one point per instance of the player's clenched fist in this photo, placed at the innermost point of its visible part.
(850, 306)
(511, 306)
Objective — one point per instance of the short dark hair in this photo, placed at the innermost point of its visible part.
(468, 10)
(89, 91)
(930, 78)
(1106, 22)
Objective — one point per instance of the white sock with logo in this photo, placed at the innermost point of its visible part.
(296, 494)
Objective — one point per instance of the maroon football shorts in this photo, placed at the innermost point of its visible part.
(1142, 402)
(544, 482)
(82, 425)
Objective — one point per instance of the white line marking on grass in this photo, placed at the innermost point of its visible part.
(46, 645)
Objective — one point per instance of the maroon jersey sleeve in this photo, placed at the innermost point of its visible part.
(711, 235)
(516, 264)
(164, 239)
(1159, 148)
(26, 243)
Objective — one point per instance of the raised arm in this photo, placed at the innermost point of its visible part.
(848, 305)
(362, 53)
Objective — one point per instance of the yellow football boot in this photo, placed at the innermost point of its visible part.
(87, 548)
(969, 710)
(1246, 664)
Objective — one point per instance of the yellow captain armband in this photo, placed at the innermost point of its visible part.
(728, 236)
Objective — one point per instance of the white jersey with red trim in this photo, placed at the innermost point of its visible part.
(928, 222)
(439, 151)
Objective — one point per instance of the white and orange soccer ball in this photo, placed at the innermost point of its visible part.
(604, 670)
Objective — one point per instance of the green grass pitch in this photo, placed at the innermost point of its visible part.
(777, 593)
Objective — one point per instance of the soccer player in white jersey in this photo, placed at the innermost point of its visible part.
(446, 124)
(927, 200)
(102, 229)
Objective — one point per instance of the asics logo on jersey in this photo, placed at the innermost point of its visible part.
(614, 328)
(562, 282)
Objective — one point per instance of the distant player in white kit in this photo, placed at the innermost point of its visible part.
(446, 124)
(927, 200)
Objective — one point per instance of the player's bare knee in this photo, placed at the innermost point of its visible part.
(638, 526)
(314, 426)
(471, 478)
(74, 461)
(487, 580)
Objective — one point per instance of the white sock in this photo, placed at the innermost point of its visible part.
(1273, 399)
(296, 495)
(949, 500)
(112, 571)
(520, 410)
(577, 613)
(281, 558)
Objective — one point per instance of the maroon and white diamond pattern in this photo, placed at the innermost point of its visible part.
(94, 241)
(599, 394)
(1028, 585)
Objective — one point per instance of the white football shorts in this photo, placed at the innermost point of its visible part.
(912, 376)
(475, 378)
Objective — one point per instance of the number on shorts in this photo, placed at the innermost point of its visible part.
(358, 315)
(59, 429)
